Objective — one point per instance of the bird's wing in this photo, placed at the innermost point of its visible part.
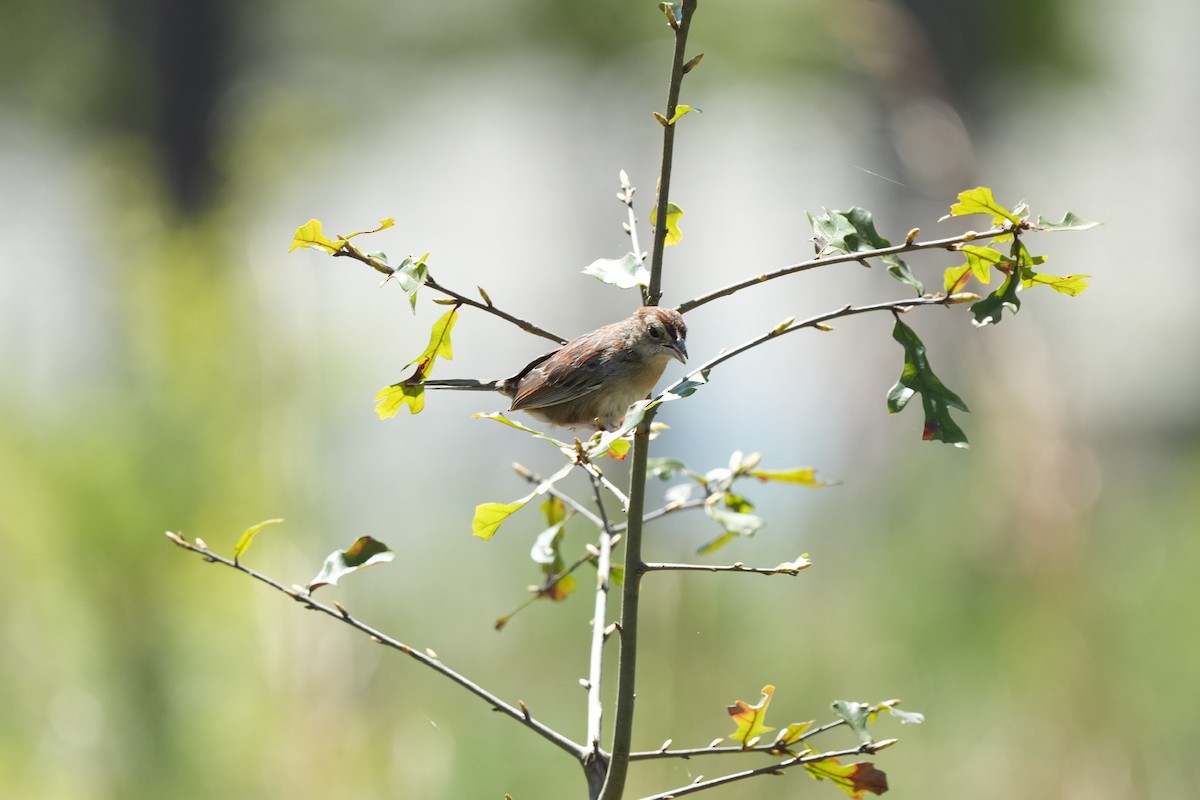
(568, 374)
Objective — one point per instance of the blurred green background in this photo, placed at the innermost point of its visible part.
(168, 367)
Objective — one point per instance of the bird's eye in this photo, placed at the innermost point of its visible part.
(656, 332)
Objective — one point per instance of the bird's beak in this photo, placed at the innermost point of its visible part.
(678, 350)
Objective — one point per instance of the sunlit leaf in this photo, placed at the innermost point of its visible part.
(619, 449)
(674, 214)
(365, 552)
(750, 719)
(390, 399)
(1071, 285)
(686, 387)
(790, 735)
(917, 377)
(310, 235)
(624, 273)
(802, 476)
(853, 779)
(547, 554)
(490, 516)
(680, 110)
(855, 716)
(980, 201)
(1069, 222)
(439, 346)
(243, 542)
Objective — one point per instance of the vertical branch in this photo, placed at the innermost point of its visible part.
(618, 766)
(614, 784)
(654, 290)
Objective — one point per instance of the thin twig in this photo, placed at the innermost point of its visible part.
(520, 714)
(350, 251)
(769, 748)
(782, 569)
(948, 243)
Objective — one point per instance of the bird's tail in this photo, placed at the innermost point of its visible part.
(464, 384)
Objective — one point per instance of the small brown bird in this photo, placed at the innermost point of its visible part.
(591, 380)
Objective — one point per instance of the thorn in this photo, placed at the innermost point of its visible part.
(341, 610)
(524, 708)
(201, 543)
(715, 742)
(429, 652)
(665, 746)
(969, 235)
(585, 683)
(821, 326)
(912, 236)
(691, 65)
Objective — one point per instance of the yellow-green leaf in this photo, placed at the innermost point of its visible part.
(680, 110)
(792, 734)
(310, 235)
(803, 476)
(490, 516)
(365, 552)
(1071, 285)
(439, 345)
(391, 398)
(853, 779)
(980, 201)
(243, 542)
(750, 718)
(674, 213)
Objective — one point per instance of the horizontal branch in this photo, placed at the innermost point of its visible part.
(771, 769)
(858, 256)
(782, 569)
(520, 714)
(771, 748)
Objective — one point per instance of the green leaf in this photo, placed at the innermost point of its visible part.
(980, 201)
(990, 310)
(390, 398)
(624, 273)
(243, 542)
(917, 378)
(1069, 222)
(685, 387)
(410, 276)
(855, 715)
(853, 231)
(734, 523)
(547, 554)
(365, 552)
(674, 214)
